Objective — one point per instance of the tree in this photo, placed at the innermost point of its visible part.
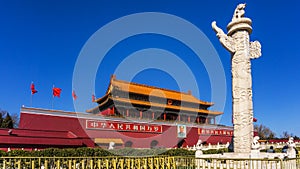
(264, 132)
(15, 118)
(295, 137)
(7, 121)
(286, 135)
(1, 119)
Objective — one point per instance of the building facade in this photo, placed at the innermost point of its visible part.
(128, 115)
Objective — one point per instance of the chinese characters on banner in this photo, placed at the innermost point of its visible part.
(119, 126)
(150, 128)
(202, 131)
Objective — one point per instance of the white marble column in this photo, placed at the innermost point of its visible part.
(237, 42)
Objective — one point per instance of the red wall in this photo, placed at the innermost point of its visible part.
(140, 140)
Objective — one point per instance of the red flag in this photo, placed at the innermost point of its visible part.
(74, 95)
(254, 119)
(56, 91)
(33, 91)
(93, 98)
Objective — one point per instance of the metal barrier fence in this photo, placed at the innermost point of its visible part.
(161, 162)
(219, 163)
(88, 162)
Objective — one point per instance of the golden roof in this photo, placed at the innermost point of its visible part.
(182, 108)
(131, 87)
(140, 89)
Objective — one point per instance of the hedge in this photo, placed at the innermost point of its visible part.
(55, 152)
(98, 152)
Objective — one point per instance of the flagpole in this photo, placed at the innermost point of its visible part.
(31, 95)
(31, 100)
(52, 97)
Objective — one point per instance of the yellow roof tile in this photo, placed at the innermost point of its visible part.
(167, 106)
(154, 91)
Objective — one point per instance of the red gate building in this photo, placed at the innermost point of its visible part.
(128, 115)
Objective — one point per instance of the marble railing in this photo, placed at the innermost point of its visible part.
(262, 146)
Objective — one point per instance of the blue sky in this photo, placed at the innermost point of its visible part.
(42, 40)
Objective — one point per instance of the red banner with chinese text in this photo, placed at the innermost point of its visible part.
(202, 131)
(119, 126)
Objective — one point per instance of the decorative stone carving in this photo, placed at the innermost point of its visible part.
(255, 143)
(255, 50)
(111, 145)
(237, 42)
(239, 11)
(291, 152)
(199, 148)
(199, 145)
(225, 40)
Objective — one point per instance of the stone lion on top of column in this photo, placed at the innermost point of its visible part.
(239, 11)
